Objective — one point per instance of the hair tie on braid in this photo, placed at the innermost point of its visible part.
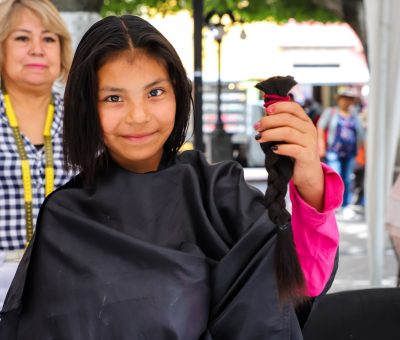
(291, 284)
(283, 226)
(273, 98)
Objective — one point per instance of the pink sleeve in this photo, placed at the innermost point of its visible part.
(315, 233)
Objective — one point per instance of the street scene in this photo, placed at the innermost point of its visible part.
(353, 272)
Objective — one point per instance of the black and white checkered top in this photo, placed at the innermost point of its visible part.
(12, 209)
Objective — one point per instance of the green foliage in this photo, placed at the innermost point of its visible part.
(139, 7)
(243, 10)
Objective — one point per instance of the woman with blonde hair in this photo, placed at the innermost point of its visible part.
(35, 52)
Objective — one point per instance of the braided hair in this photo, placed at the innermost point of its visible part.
(291, 283)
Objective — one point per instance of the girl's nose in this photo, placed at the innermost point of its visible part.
(137, 114)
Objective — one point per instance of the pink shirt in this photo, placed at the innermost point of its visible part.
(315, 233)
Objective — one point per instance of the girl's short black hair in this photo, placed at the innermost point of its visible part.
(83, 143)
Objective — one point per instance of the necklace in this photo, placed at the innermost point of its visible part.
(26, 171)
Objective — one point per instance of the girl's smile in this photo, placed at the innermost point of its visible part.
(139, 138)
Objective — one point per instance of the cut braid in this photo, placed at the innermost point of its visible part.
(290, 278)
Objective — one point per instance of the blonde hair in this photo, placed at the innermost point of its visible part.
(51, 19)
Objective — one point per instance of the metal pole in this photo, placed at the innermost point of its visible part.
(220, 139)
(377, 169)
(219, 86)
(198, 77)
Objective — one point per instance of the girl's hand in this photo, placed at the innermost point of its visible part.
(287, 122)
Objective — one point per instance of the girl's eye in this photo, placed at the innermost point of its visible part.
(114, 99)
(156, 93)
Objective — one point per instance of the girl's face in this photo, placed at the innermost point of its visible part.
(136, 105)
(32, 57)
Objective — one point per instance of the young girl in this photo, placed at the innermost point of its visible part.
(147, 243)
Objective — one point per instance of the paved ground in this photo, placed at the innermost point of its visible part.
(353, 272)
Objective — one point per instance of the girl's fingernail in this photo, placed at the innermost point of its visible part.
(257, 136)
(270, 109)
(274, 147)
(256, 125)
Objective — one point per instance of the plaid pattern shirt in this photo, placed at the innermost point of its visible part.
(12, 209)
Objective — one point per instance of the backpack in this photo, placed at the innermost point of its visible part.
(345, 140)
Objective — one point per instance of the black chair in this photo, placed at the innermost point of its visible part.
(368, 314)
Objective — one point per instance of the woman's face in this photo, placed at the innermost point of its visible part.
(345, 103)
(32, 53)
(136, 105)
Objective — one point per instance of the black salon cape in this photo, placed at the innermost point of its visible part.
(183, 253)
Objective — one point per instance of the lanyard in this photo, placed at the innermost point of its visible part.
(26, 172)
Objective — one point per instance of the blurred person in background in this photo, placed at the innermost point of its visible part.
(359, 168)
(35, 51)
(340, 135)
(313, 109)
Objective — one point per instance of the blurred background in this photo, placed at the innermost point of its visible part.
(326, 45)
